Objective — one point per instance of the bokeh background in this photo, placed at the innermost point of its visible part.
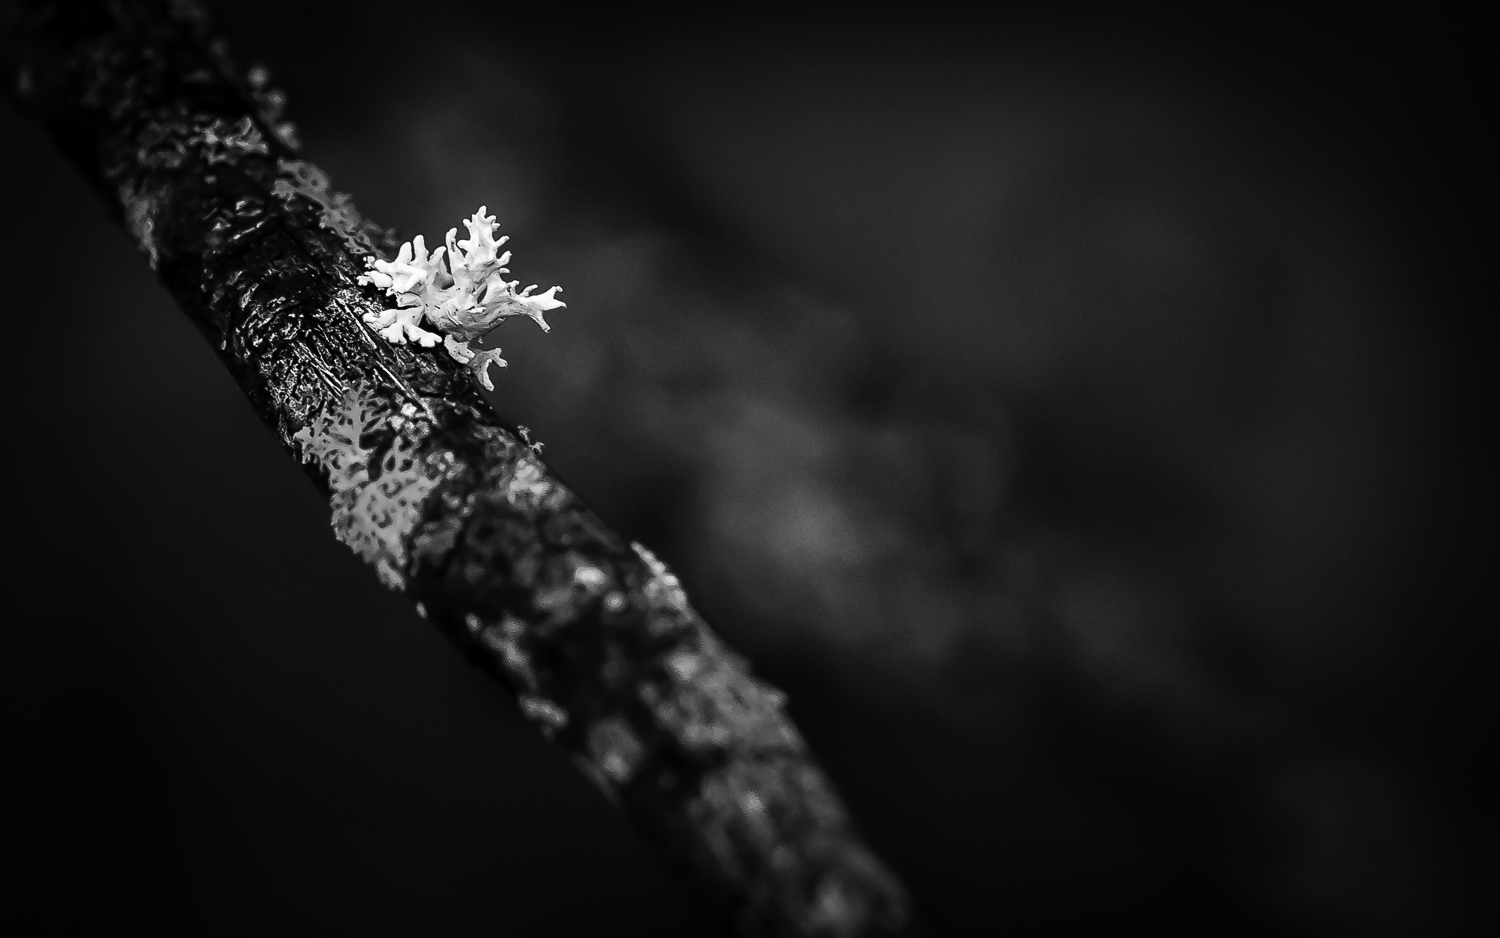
(1074, 411)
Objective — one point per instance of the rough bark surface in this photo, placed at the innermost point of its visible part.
(446, 501)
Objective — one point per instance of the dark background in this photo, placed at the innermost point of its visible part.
(1073, 412)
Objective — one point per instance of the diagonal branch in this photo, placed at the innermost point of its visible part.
(593, 634)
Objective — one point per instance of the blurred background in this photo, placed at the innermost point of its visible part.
(1071, 411)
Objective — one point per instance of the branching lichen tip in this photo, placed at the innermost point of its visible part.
(465, 299)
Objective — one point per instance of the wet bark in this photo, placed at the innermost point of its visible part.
(448, 503)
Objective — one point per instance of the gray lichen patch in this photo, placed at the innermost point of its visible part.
(219, 141)
(588, 577)
(562, 589)
(667, 604)
(171, 139)
(301, 178)
(835, 905)
(271, 106)
(616, 602)
(615, 749)
(140, 220)
(777, 822)
(376, 473)
(434, 541)
(708, 704)
(544, 713)
(683, 664)
(505, 639)
(529, 487)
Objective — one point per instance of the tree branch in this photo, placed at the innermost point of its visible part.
(447, 502)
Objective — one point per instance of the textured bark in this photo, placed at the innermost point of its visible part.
(593, 635)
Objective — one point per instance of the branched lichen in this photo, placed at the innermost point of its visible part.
(465, 299)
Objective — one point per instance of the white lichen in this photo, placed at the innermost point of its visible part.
(464, 300)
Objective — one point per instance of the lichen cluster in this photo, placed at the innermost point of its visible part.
(465, 299)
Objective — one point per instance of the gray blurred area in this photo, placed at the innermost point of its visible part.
(1072, 413)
